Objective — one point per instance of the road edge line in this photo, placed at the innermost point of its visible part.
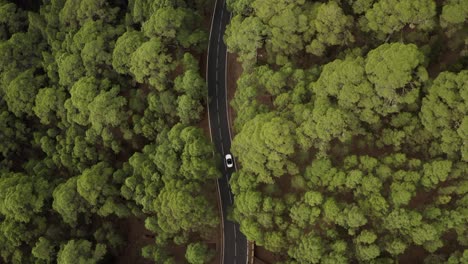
(250, 244)
(220, 204)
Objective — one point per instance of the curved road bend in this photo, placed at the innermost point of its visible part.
(235, 243)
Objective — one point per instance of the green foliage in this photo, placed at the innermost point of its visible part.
(12, 20)
(435, 173)
(107, 110)
(70, 68)
(346, 81)
(12, 131)
(21, 92)
(396, 71)
(388, 16)
(360, 6)
(44, 249)
(81, 251)
(90, 95)
(245, 36)
(198, 253)
(22, 197)
(194, 90)
(310, 250)
(332, 28)
(95, 186)
(444, 113)
(150, 64)
(350, 128)
(264, 146)
(68, 202)
(454, 12)
(324, 124)
(178, 209)
(125, 45)
(177, 24)
(48, 105)
(287, 22)
(157, 253)
(82, 94)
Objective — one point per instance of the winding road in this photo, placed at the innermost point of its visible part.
(234, 249)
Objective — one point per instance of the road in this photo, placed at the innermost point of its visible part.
(235, 243)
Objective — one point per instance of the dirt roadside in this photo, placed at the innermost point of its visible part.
(234, 71)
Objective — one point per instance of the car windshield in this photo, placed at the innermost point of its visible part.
(229, 160)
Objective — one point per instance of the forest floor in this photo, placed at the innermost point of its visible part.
(444, 61)
(137, 237)
(234, 71)
(263, 256)
(204, 123)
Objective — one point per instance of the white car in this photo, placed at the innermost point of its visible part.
(229, 161)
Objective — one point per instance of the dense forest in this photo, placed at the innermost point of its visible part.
(352, 129)
(100, 103)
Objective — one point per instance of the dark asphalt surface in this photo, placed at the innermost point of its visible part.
(235, 243)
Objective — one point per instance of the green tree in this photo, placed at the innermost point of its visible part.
(96, 187)
(310, 250)
(96, 10)
(288, 28)
(323, 123)
(245, 36)
(198, 253)
(360, 6)
(13, 132)
(175, 24)
(249, 203)
(388, 16)
(239, 6)
(150, 64)
(332, 28)
(197, 163)
(396, 71)
(188, 109)
(19, 54)
(81, 251)
(454, 13)
(83, 92)
(77, 12)
(22, 197)
(435, 173)
(157, 253)
(21, 93)
(13, 19)
(68, 202)
(125, 45)
(193, 87)
(48, 105)
(346, 81)
(191, 84)
(70, 68)
(44, 250)
(180, 209)
(145, 182)
(444, 113)
(264, 146)
(107, 110)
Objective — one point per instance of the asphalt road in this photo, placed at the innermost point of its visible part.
(235, 243)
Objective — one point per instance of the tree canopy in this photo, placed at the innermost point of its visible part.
(93, 96)
(350, 129)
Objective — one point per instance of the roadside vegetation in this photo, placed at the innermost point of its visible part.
(352, 129)
(100, 103)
